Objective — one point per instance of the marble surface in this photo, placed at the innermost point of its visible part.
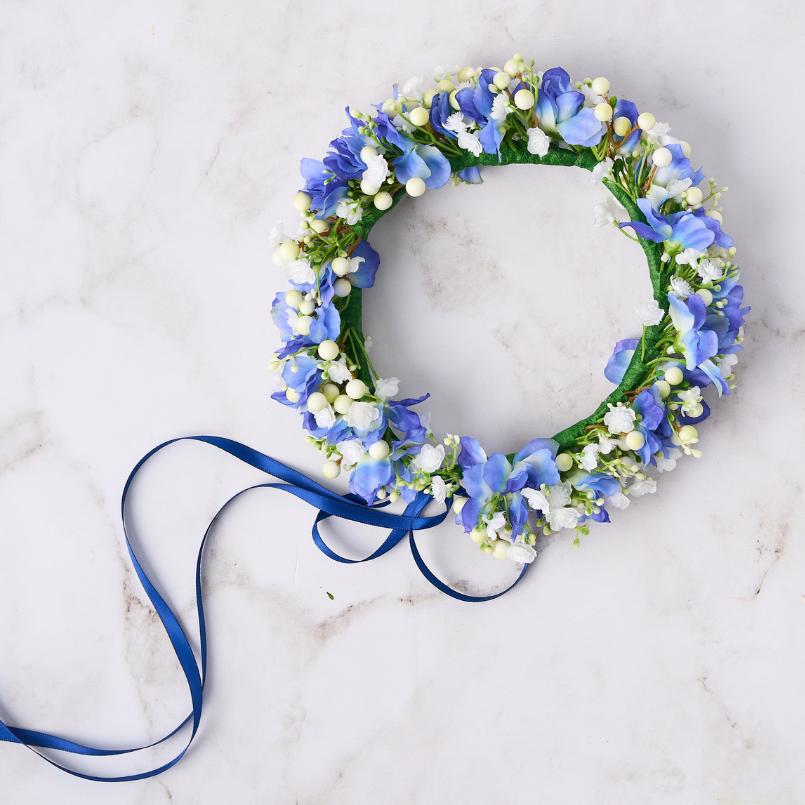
(145, 152)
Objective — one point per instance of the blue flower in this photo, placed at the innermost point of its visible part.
(720, 238)
(369, 476)
(727, 321)
(689, 318)
(303, 376)
(679, 169)
(601, 483)
(687, 229)
(425, 162)
(620, 359)
(653, 423)
(326, 325)
(561, 108)
(627, 109)
(484, 478)
(470, 175)
(440, 110)
(323, 186)
(387, 131)
(407, 425)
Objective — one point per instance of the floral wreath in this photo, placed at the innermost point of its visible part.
(417, 141)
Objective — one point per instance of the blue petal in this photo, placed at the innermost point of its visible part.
(438, 166)
(568, 105)
(534, 445)
(691, 232)
(369, 476)
(583, 129)
(490, 137)
(410, 165)
(681, 317)
(474, 484)
(496, 471)
(470, 453)
(470, 175)
(620, 359)
(364, 277)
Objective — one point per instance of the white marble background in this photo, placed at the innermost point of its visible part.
(145, 151)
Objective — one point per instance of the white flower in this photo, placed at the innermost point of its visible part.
(709, 270)
(276, 235)
(725, 364)
(377, 169)
(559, 494)
(351, 451)
(659, 134)
(619, 419)
(618, 501)
(438, 488)
(362, 415)
(676, 187)
(605, 444)
(667, 464)
(500, 107)
(681, 287)
(494, 524)
(589, 457)
(456, 123)
(386, 388)
(691, 400)
(538, 142)
(325, 418)
(689, 257)
(470, 142)
(337, 371)
(608, 211)
(520, 552)
(646, 486)
(566, 517)
(537, 499)
(301, 273)
(350, 211)
(650, 313)
(591, 97)
(603, 170)
(429, 458)
(413, 86)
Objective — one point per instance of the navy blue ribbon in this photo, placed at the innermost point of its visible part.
(328, 503)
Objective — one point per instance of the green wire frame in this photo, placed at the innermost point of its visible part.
(640, 368)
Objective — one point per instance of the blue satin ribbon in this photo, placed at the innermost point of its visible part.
(328, 503)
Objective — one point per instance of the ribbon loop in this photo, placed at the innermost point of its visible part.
(328, 503)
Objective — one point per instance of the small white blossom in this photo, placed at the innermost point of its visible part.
(386, 388)
(494, 524)
(590, 96)
(619, 419)
(377, 169)
(666, 464)
(470, 142)
(603, 170)
(414, 86)
(536, 499)
(618, 501)
(691, 400)
(337, 371)
(559, 494)
(645, 486)
(538, 142)
(429, 458)
(438, 488)
(565, 517)
(709, 270)
(362, 415)
(650, 313)
(301, 273)
(676, 187)
(725, 364)
(589, 457)
(659, 134)
(351, 451)
(456, 123)
(608, 211)
(520, 552)
(605, 444)
(325, 418)
(689, 257)
(500, 107)
(681, 287)
(350, 211)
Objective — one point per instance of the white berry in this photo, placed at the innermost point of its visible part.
(564, 461)
(356, 389)
(694, 196)
(415, 186)
(342, 403)
(316, 402)
(330, 391)
(303, 324)
(622, 126)
(342, 287)
(501, 80)
(330, 470)
(646, 121)
(293, 298)
(301, 202)
(673, 375)
(292, 395)
(419, 116)
(289, 250)
(635, 440)
(600, 85)
(306, 307)
(603, 112)
(662, 157)
(379, 450)
(328, 350)
(524, 99)
(383, 200)
(340, 266)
